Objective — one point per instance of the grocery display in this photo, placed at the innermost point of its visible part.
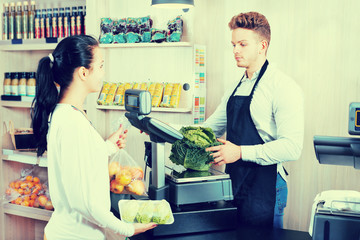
(134, 30)
(19, 84)
(114, 93)
(25, 21)
(145, 211)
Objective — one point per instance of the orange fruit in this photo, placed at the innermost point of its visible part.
(31, 202)
(137, 187)
(12, 184)
(35, 191)
(17, 184)
(124, 177)
(48, 205)
(137, 173)
(33, 196)
(25, 203)
(30, 184)
(36, 203)
(114, 168)
(115, 187)
(38, 186)
(18, 201)
(42, 200)
(36, 180)
(23, 185)
(29, 178)
(20, 191)
(26, 198)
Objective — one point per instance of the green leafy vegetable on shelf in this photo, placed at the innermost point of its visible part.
(162, 213)
(190, 151)
(129, 213)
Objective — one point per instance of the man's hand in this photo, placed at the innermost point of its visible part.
(227, 153)
(119, 138)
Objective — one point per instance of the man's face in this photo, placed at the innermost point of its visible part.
(247, 47)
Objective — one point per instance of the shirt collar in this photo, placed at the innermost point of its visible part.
(254, 76)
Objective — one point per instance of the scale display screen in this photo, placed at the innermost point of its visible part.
(354, 118)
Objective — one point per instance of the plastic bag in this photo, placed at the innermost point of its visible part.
(126, 176)
(29, 191)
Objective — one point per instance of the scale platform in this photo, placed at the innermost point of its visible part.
(190, 187)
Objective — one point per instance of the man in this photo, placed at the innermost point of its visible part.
(264, 122)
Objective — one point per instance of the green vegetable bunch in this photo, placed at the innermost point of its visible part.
(145, 212)
(129, 213)
(190, 151)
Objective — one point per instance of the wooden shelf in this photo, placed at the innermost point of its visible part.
(155, 109)
(24, 157)
(28, 47)
(16, 104)
(28, 212)
(146, 45)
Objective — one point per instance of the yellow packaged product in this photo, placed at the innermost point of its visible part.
(144, 86)
(119, 95)
(175, 95)
(136, 86)
(151, 88)
(156, 97)
(104, 91)
(126, 87)
(111, 95)
(167, 94)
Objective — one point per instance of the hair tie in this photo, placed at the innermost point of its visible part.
(51, 58)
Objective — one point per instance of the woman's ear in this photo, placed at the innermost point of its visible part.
(83, 73)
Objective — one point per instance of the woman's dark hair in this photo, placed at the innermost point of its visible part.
(58, 67)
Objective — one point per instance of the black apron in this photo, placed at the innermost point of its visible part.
(254, 186)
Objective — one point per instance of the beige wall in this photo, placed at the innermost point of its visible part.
(316, 43)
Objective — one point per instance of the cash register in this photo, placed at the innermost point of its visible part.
(199, 203)
(336, 214)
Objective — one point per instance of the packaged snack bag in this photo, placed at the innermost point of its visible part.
(143, 86)
(175, 95)
(136, 86)
(104, 91)
(157, 96)
(145, 211)
(119, 95)
(106, 27)
(126, 176)
(167, 94)
(151, 88)
(111, 94)
(175, 31)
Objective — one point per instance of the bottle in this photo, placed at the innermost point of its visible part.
(54, 23)
(18, 21)
(61, 23)
(84, 26)
(22, 84)
(12, 27)
(67, 22)
(43, 24)
(7, 83)
(25, 20)
(48, 23)
(31, 84)
(37, 24)
(15, 84)
(32, 20)
(79, 21)
(5, 19)
(73, 21)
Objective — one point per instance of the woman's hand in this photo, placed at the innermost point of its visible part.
(119, 138)
(140, 227)
(226, 153)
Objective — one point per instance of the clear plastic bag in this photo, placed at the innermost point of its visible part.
(126, 176)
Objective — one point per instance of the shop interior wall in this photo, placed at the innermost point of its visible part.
(316, 43)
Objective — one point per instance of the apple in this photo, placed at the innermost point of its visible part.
(137, 173)
(115, 187)
(124, 177)
(114, 168)
(137, 187)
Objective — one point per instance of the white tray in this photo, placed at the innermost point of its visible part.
(123, 202)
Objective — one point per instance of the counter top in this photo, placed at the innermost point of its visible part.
(240, 233)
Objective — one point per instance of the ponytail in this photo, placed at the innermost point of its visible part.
(44, 103)
(71, 53)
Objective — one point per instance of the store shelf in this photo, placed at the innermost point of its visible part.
(28, 212)
(28, 47)
(147, 45)
(24, 157)
(155, 109)
(16, 104)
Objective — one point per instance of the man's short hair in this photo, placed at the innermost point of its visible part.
(253, 21)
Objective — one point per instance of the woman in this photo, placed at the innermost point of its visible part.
(77, 155)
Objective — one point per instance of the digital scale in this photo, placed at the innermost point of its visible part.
(331, 223)
(200, 201)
